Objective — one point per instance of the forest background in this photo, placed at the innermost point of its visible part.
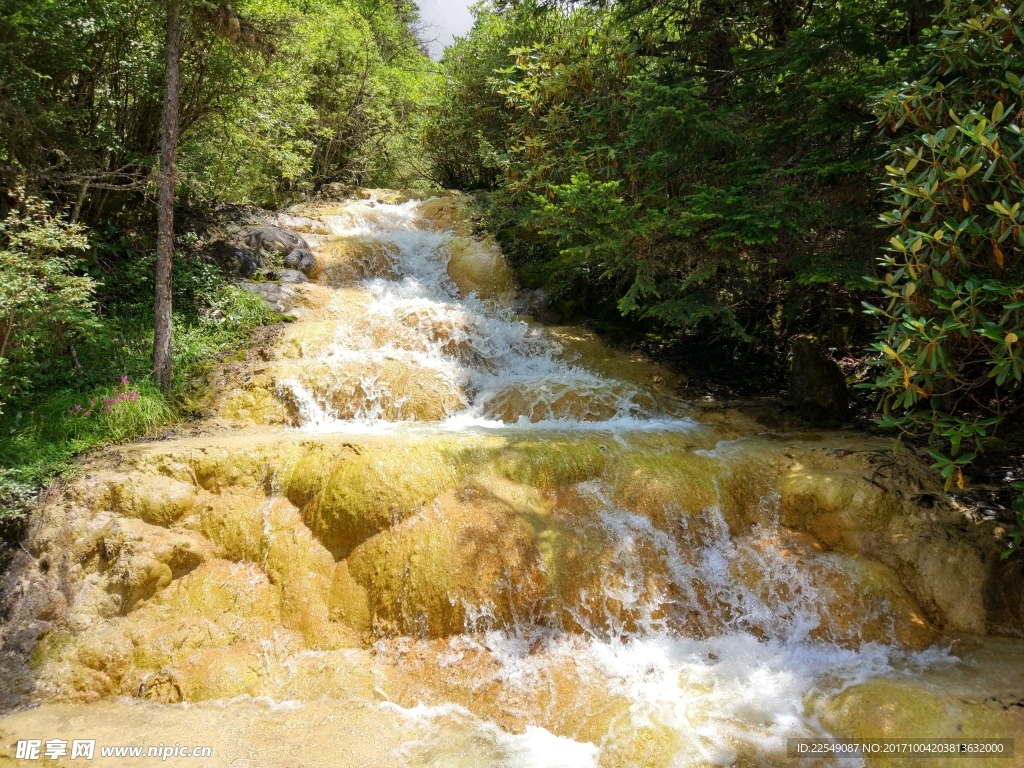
(710, 178)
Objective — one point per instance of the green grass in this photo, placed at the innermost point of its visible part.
(115, 400)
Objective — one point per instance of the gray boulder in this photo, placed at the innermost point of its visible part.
(301, 259)
(235, 258)
(817, 387)
(252, 248)
(265, 239)
(290, 277)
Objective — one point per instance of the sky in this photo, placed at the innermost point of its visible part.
(444, 20)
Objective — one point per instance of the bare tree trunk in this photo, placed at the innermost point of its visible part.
(81, 199)
(165, 180)
(719, 66)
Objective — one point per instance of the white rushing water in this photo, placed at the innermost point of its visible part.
(711, 667)
(423, 529)
(478, 347)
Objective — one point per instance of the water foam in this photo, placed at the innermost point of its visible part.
(496, 369)
(734, 686)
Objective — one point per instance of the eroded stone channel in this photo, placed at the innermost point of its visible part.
(421, 529)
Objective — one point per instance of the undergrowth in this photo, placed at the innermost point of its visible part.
(108, 397)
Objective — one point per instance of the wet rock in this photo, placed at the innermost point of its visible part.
(290, 277)
(446, 214)
(300, 259)
(344, 260)
(477, 266)
(270, 240)
(390, 389)
(852, 600)
(348, 496)
(303, 224)
(348, 601)
(862, 503)
(234, 258)
(426, 576)
(545, 401)
(901, 708)
(537, 304)
(817, 388)
(263, 562)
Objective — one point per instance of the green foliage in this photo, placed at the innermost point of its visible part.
(331, 105)
(17, 498)
(44, 306)
(700, 183)
(462, 127)
(113, 399)
(278, 96)
(950, 356)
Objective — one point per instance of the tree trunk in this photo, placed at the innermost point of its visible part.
(166, 181)
(719, 67)
(784, 19)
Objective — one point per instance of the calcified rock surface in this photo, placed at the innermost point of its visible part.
(420, 530)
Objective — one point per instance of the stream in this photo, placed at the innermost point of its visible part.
(420, 528)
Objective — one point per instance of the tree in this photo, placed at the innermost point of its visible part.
(162, 331)
(224, 21)
(951, 355)
(708, 167)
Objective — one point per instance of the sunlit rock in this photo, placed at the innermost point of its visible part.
(901, 708)
(445, 214)
(585, 348)
(155, 499)
(477, 266)
(343, 260)
(463, 560)
(473, 540)
(850, 506)
(348, 495)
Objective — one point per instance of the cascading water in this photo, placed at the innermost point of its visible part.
(416, 329)
(425, 530)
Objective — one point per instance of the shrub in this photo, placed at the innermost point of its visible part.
(951, 352)
(44, 305)
(16, 500)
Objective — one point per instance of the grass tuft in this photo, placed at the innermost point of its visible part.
(41, 435)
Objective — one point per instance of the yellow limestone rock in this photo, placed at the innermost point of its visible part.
(905, 709)
(853, 600)
(651, 746)
(445, 214)
(463, 553)
(358, 576)
(347, 495)
(156, 499)
(556, 400)
(672, 491)
(392, 389)
(346, 259)
(846, 506)
(477, 266)
(583, 347)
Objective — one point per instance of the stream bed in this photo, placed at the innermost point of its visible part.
(420, 528)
